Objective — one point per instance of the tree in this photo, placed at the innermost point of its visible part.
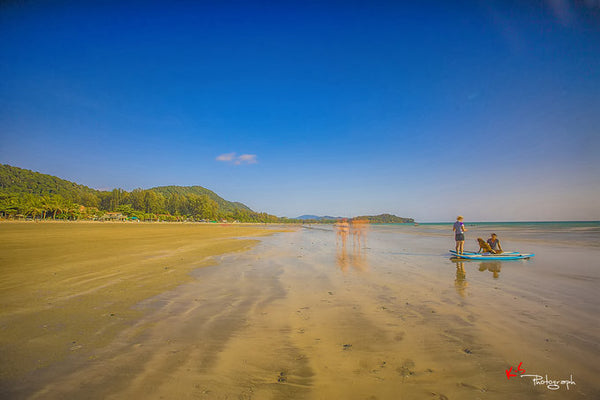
(32, 206)
(9, 204)
(46, 205)
(125, 209)
(210, 208)
(115, 199)
(154, 202)
(177, 204)
(137, 197)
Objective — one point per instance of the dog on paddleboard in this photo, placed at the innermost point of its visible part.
(485, 247)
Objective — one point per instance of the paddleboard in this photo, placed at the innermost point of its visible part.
(489, 256)
(474, 252)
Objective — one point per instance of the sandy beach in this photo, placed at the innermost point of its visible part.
(67, 288)
(295, 316)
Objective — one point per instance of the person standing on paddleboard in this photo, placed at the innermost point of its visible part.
(459, 234)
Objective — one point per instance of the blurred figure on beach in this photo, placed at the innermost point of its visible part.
(342, 229)
(460, 283)
(360, 227)
(358, 259)
(459, 234)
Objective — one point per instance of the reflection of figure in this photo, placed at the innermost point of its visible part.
(460, 283)
(342, 258)
(358, 259)
(459, 234)
(493, 266)
(360, 227)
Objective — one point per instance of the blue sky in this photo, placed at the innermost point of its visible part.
(486, 109)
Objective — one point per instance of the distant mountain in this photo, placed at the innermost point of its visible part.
(316, 217)
(374, 219)
(387, 219)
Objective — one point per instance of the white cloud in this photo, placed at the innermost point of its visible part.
(246, 159)
(226, 157)
(238, 160)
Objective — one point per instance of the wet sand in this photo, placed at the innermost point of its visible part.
(299, 317)
(69, 288)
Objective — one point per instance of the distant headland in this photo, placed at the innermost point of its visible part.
(373, 219)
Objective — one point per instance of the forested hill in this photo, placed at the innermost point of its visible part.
(387, 219)
(229, 206)
(27, 193)
(20, 181)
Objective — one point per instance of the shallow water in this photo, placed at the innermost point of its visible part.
(302, 317)
(581, 233)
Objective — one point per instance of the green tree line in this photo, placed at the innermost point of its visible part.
(28, 194)
(386, 219)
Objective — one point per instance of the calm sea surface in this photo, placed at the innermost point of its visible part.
(574, 233)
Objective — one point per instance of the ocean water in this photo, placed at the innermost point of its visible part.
(578, 233)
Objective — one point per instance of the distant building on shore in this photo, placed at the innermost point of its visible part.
(113, 216)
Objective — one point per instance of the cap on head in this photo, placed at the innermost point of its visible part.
(459, 218)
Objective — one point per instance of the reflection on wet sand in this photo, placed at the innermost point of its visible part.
(360, 227)
(493, 266)
(460, 283)
(358, 258)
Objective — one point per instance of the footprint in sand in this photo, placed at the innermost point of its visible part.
(282, 378)
(406, 369)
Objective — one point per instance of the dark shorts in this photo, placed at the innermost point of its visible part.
(459, 237)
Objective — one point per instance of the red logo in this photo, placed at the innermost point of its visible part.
(509, 372)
